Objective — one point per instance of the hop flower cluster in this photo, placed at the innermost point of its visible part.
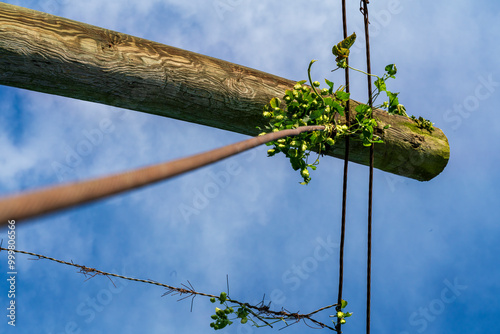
(340, 315)
(221, 317)
(304, 105)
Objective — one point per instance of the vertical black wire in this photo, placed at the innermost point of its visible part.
(346, 163)
(364, 10)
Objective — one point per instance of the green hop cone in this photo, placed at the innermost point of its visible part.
(305, 173)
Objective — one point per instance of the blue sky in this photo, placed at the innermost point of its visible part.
(435, 244)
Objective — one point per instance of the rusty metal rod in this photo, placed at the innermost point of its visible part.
(40, 202)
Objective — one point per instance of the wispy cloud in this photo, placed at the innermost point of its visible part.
(250, 218)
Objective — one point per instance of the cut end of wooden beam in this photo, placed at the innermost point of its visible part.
(418, 152)
(407, 150)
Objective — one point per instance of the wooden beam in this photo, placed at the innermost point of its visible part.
(54, 55)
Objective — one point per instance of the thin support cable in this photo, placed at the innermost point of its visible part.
(364, 11)
(346, 164)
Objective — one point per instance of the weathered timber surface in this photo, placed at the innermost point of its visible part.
(54, 55)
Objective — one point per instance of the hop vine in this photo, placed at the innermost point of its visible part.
(305, 105)
(340, 315)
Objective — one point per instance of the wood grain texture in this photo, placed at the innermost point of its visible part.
(54, 55)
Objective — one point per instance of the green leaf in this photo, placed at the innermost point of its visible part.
(380, 84)
(314, 137)
(393, 103)
(328, 101)
(343, 304)
(275, 102)
(316, 113)
(349, 41)
(343, 96)
(335, 105)
(392, 95)
(368, 132)
(341, 50)
(329, 83)
(362, 109)
(391, 69)
(296, 163)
